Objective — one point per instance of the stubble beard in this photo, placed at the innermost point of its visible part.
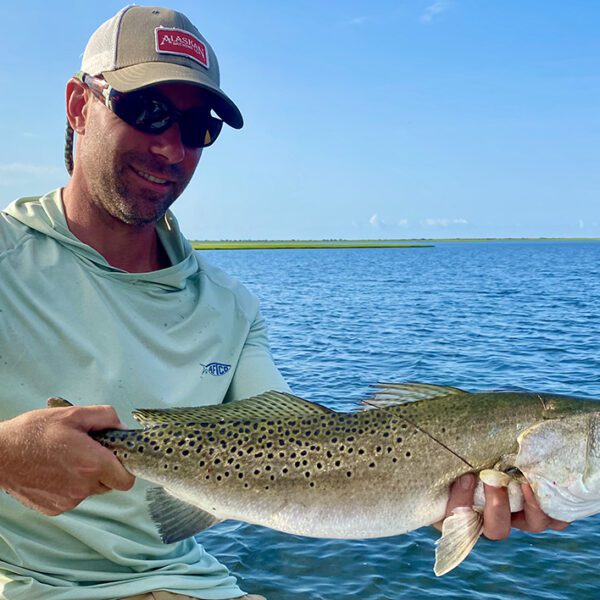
(113, 191)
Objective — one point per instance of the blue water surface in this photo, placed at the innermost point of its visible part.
(476, 315)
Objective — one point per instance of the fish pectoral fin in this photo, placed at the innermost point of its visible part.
(56, 402)
(460, 533)
(176, 519)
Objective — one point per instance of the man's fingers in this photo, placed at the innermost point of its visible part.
(532, 518)
(496, 513)
(115, 476)
(94, 418)
(461, 494)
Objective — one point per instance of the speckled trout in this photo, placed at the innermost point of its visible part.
(282, 462)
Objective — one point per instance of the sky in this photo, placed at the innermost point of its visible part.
(363, 119)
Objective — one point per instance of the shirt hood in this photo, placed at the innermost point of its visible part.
(46, 215)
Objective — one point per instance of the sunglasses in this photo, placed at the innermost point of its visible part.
(148, 111)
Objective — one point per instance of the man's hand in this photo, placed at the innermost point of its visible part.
(51, 464)
(497, 518)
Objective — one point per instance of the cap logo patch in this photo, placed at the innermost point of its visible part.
(182, 43)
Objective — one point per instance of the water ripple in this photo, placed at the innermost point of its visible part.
(507, 315)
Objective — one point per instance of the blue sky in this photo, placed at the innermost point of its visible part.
(381, 119)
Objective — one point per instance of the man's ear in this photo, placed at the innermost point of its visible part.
(77, 98)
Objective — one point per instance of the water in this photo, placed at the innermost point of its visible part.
(492, 315)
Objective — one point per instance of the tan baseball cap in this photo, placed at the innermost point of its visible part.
(143, 45)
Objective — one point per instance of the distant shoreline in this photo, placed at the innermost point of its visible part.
(320, 244)
(301, 244)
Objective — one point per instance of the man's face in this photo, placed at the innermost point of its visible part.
(136, 176)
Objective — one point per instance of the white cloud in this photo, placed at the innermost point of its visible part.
(443, 222)
(433, 10)
(403, 223)
(375, 221)
(28, 169)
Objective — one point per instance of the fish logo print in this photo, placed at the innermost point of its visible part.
(216, 369)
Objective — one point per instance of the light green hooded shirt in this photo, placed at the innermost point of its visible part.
(73, 326)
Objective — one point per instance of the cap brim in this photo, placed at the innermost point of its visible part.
(144, 75)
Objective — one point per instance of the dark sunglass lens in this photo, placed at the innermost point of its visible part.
(199, 129)
(144, 112)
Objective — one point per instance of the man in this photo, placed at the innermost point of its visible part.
(103, 302)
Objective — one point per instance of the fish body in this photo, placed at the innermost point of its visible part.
(282, 462)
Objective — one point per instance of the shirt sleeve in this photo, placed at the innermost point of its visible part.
(255, 372)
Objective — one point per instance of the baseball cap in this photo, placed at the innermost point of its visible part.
(144, 45)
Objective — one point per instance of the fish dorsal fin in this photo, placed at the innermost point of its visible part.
(393, 394)
(270, 405)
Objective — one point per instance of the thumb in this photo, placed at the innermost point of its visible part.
(461, 493)
(94, 418)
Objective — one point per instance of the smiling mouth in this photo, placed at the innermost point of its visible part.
(152, 178)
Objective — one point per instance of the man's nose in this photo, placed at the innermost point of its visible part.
(168, 144)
